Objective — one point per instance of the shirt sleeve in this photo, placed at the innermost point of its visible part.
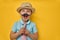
(34, 28)
(14, 27)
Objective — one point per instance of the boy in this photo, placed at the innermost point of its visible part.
(24, 29)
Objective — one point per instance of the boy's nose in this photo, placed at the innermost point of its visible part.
(25, 13)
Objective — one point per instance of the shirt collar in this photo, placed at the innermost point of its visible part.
(23, 22)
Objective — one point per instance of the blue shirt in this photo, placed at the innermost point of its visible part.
(31, 27)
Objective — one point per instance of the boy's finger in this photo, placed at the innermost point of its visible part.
(23, 28)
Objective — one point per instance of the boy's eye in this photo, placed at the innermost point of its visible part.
(23, 10)
(26, 10)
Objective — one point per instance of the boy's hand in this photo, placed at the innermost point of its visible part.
(21, 31)
(27, 32)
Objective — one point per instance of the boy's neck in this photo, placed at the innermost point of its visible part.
(25, 21)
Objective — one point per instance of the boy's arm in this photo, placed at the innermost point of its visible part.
(13, 35)
(33, 36)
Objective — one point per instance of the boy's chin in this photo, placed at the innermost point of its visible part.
(25, 20)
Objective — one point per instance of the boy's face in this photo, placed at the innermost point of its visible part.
(25, 13)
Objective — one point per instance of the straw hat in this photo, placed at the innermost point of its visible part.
(27, 6)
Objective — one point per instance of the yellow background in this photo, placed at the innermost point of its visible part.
(46, 17)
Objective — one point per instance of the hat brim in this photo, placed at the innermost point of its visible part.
(20, 8)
